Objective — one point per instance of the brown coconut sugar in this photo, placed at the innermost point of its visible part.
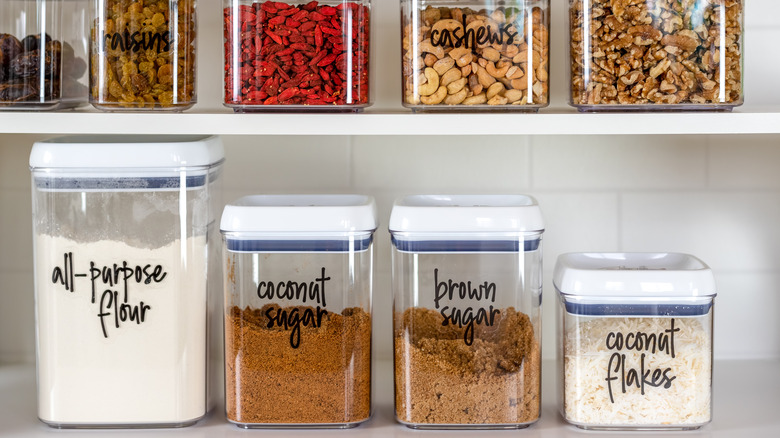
(326, 379)
(441, 380)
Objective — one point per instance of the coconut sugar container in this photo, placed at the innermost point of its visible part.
(467, 289)
(121, 231)
(635, 340)
(298, 279)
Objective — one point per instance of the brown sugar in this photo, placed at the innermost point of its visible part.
(326, 379)
(441, 380)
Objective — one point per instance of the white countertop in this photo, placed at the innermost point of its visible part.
(746, 396)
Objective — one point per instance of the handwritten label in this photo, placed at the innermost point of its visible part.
(474, 36)
(294, 318)
(113, 284)
(621, 375)
(138, 41)
(450, 289)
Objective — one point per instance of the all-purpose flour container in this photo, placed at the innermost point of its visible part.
(298, 278)
(121, 232)
(636, 340)
(467, 285)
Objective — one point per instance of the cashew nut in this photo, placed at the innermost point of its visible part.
(432, 85)
(513, 96)
(485, 78)
(498, 100)
(491, 54)
(456, 98)
(494, 90)
(435, 98)
(497, 72)
(429, 60)
(454, 87)
(443, 65)
(520, 84)
(465, 70)
(475, 100)
(427, 47)
(450, 76)
(514, 72)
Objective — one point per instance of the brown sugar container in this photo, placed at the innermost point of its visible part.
(467, 283)
(298, 273)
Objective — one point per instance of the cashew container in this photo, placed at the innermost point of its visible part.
(142, 55)
(656, 54)
(297, 55)
(475, 55)
(43, 61)
(635, 343)
(467, 293)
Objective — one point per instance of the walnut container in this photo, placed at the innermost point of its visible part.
(656, 54)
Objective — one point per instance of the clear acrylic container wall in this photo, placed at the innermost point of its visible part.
(142, 55)
(467, 289)
(43, 54)
(122, 230)
(656, 55)
(635, 341)
(298, 310)
(475, 55)
(297, 55)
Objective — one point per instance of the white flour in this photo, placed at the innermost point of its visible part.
(143, 373)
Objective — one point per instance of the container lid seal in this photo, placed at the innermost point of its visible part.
(633, 275)
(466, 214)
(300, 214)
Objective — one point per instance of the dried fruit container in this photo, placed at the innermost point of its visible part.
(297, 55)
(142, 55)
(467, 288)
(475, 55)
(122, 231)
(656, 55)
(298, 310)
(635, 340)
(43, 60)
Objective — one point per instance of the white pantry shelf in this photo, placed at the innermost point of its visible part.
(550, 121)
(746, 397)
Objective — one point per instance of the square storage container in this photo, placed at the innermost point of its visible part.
(123, 228)
(656, 55)
(43, 61)
(636, 340)
(142, 55)
(298, 310)
(467, 289)
(297, 55)
(475, 55)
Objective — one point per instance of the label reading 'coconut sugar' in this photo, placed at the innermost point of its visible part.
(111, 288)
(465, 317)
(621, 376)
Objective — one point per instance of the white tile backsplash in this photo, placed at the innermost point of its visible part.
(739, 162)
(16, 237)
(17, 317)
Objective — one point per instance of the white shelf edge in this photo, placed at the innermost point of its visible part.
(761, 120)
(746, 397)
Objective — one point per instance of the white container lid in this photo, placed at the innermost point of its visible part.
(126, 152)
(473, 214)
(300, 214)
(633, 275)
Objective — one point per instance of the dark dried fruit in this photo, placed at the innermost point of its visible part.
(10, 47)
(33, 42)
(17, 92)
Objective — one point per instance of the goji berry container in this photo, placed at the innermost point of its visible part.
(142, 55)
(467, 289)
(124, 231)
(43, 61)
(297, 55)
(298, 310)
(635, 342)
(475, 55)
(648, 55)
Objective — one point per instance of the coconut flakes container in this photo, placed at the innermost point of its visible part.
(635, 343)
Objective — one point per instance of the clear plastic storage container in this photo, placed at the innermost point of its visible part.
(122, 229)
(656, 55)
(43, 61)
(298, 310)
(297, 55)
(635, 340)
(467, 287)
(475, 54)
(143, 55)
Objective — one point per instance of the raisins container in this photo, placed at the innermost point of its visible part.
(123, 232)
(648, 55)
(298, 279)
(473, 55)
(143, 55)
(43, 61)
(635, 340)
(297, 55)
(467, 289)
